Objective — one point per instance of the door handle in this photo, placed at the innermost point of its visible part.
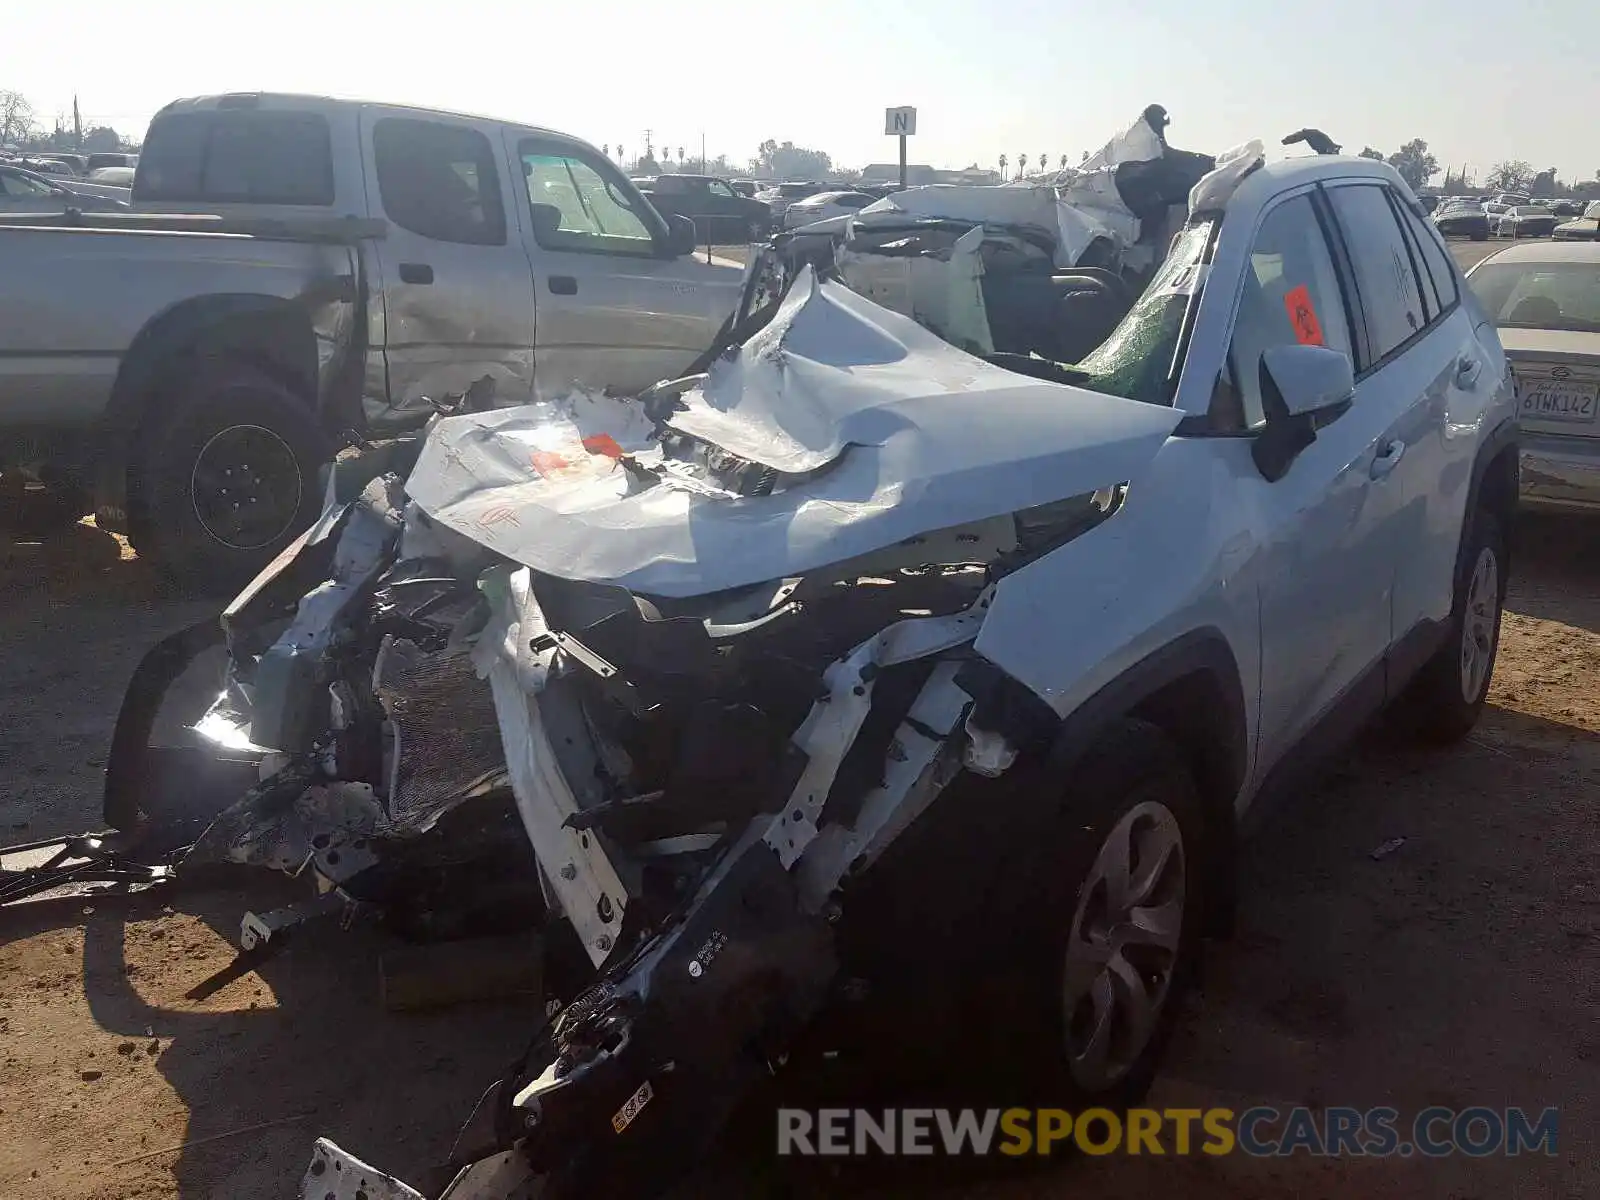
(416, 273)
(1388, 459)
(1468, 369)
(563, 285)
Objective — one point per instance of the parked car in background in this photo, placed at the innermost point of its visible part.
(112, 176)
(47, 166)
(1462, 218)
(22, 191)
(1566, 208)
(824, 205)
(350, 266)
(108, 158)
(1526, 220)
(1512, 199)
(1545, 300)
(77, 164)
(1496, 208)
(720, 214)
(1585, 229)
(745, 187)
(778, 197)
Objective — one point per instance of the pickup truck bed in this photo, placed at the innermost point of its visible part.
(193, 371)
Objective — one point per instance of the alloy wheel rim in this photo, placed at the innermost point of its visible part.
(245, 487)
(1479, 623)
(1122, 949)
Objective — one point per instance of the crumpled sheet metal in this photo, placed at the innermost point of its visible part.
(942, 294)
(1082, 204)
(335, 1174)
(915, 435)
(1212, 193)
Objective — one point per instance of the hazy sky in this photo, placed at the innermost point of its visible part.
(1480, 81)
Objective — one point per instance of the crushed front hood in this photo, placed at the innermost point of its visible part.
(879, 431)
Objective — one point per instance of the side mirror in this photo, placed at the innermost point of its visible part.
(546, 219)
(681, 236)
(1303, 388)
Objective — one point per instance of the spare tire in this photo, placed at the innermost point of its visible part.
(226, 477)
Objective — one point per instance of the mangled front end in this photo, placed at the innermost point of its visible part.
(731, 664)
(712, 654)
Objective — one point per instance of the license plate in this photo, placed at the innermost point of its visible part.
(1559, 400)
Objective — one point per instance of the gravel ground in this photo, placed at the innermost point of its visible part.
(1463, 968)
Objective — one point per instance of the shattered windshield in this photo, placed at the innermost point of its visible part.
(1136, 361)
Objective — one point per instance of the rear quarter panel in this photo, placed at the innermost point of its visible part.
(72, 302)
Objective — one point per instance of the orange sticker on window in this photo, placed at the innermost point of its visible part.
(1303, 316)
(602, 443)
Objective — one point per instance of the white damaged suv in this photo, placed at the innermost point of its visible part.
(861, 658)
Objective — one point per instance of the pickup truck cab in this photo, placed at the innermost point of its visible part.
(208, 359)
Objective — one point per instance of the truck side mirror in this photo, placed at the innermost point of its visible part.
(681, 236)
(546, 219)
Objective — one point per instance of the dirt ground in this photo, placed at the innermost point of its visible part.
(1461, 969)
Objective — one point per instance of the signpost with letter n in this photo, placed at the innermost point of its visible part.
(901, 123)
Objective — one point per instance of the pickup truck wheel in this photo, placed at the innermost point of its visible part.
(227, 479)
(1443, 702)
(1111, 928)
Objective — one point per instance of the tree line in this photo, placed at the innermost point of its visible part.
(1417, 166)
(20, 129)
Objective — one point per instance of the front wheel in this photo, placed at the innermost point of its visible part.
(1444, 701)
(1110, 930)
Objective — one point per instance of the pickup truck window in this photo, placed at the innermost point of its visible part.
(439, 181)
(717, 188)
(236, 157)
(577, 207)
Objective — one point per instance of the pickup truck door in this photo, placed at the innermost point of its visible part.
(614, 310)
(453, 273)
(1325, 528)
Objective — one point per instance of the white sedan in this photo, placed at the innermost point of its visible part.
(1545, 300)
(824, 206)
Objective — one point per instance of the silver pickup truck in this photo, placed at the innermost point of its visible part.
(296, 267)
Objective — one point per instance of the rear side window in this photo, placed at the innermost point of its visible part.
(237, 157)
(1391, 299)
(439, 181)
(1435, 262)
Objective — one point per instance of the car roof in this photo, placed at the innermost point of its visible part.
(1286, 173)
(1548, 252)
(308, 101)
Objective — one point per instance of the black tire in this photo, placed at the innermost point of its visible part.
(1442, 704)
(1133, 778)
(186, 517)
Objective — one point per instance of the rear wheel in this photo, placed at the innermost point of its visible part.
(1443, 702)
(227, 479)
